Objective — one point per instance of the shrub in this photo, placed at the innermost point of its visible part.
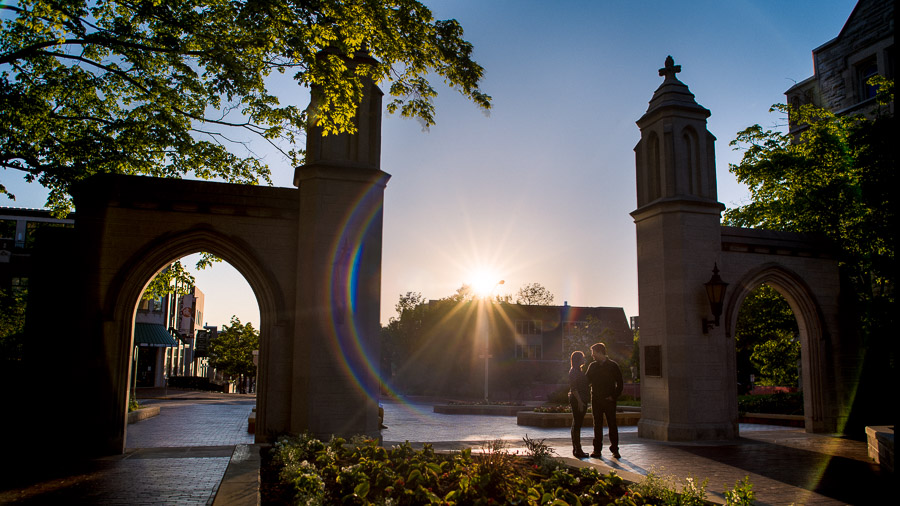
(133, 404)
(304, 470)
(559, 396)
(780, 403)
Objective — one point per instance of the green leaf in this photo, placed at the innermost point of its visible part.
(362, 490)
(179, 88)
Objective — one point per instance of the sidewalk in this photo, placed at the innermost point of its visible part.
(785, 465)
(180, 456)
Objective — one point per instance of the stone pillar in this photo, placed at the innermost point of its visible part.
(688, 386)
(336, 351)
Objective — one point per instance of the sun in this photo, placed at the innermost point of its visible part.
(484, 281)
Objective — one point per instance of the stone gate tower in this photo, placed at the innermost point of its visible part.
(688, 382)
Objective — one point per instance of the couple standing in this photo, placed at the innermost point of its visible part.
(602, 384)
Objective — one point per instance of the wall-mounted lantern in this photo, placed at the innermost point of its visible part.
(715, 292)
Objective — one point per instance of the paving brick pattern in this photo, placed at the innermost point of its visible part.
(133, 481)
(785, 466)
(180, 457)
(193, 423)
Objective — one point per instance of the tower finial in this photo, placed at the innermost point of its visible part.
(670, 69)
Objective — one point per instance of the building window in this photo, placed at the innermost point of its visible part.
(864, 72)
(529, 327)
(7, 229)
(529, 351)
(33, 226)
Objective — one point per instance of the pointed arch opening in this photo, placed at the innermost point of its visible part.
(654, 176)
(124, 304)
(691, 146)
(785, 286)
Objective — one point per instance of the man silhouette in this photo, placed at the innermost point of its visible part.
(605, 378)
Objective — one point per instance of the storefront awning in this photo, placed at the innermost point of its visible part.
(150, 334)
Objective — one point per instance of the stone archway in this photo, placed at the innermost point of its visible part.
(689, 379)
(126, 289)
(311, 254)
(816, 332)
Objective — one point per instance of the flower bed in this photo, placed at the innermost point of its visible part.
(304, 470)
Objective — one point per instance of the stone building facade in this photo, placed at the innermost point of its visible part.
(863, 48)
(528, 348)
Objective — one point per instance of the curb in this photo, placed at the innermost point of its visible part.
(476, 409)
(240, 484)
(142, 414)
(548, 420)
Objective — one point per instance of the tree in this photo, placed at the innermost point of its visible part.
(581, 336)
(777, 360)
(176, 279)
(766, 340)
(464, 293)
(534, 294)
(634, 363)
(836, 178)
(166, 88)
(398, 337)
(232, 351)
(12, 325)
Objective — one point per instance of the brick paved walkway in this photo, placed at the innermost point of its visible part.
(180, 457)
(785, 466)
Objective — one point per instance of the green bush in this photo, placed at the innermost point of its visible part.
(781, 403)
(561, 396)
(304, 470)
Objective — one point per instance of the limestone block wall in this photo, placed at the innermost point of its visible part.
(694, 396)
(803, 271)
(864, 39)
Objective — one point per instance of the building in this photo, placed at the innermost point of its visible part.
(521, 350)
(863, 48)
(154, 342)
(166, 338)
(165, 329)
(18, 230)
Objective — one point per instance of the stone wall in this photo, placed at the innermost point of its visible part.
(840, 64)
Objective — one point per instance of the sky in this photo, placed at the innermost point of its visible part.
(539, 190)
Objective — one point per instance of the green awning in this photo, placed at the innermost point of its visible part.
(151, 334)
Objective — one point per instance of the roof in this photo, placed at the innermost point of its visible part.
(151, 334)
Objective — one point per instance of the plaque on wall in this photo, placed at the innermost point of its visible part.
(653, 361)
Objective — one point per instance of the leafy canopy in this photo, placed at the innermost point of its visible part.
(166, 88)
(837, 179)
(766, 339)
(534, 294)
(833, 179)
(12, 324)
(232, 351)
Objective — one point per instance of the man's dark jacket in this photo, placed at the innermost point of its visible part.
(606, 380)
